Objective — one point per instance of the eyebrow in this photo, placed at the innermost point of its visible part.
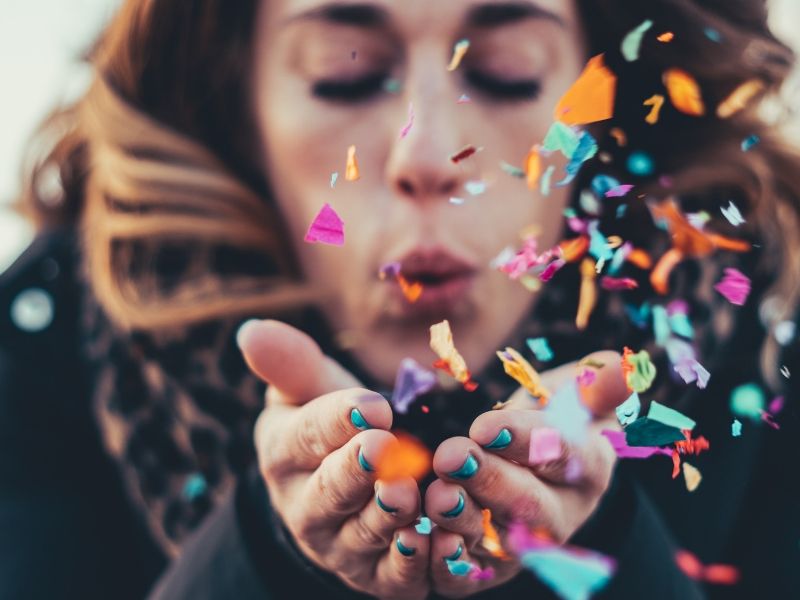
(481, 16)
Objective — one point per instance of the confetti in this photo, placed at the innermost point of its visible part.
(540, 348)
(670, 417)
(684, 92)
(545, 446)
(640, 163)
(567, 413)
(656, 102)
(619, 191)
(459, 51)
(785, 371)
(639, 370)
(475, 188)
(618, 283)
(691, 371)
(351, 169)
(739, 98)
(692, 476)
(732, 214)
(588, 293)
(491, 539)
(519, 369)
(533, 167)
(456, 200)
(735, 286)
(459, 568)
(749, 142)
(545, 183)
(450, 361)
(747, 401)
(591, 97)
(407, 127)
(619, 136)
(464, 99)
(716, 574)
(334, 179)
(411, 291)
(561, 138)
(512, 170)
(632, 42)
(479, 574)
(326, 228)
(648, 432)
(424, 527)
(412, 380)
(712, 34)
(623, 450)
(628, 411)
(463, 154)
(405, 457)
(736, 428)
(666, 37)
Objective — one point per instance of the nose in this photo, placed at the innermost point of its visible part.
(419, 166)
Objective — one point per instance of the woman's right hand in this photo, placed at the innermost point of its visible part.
(317, 440)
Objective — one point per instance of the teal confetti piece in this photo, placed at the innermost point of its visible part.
(747, 401)
(460, 568)
(424, 526)
(669, 416)
(736, 428)
(540, 348)
(561, 138)
(632, 42)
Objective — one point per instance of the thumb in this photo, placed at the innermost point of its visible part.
(290, 361)
(606, 392)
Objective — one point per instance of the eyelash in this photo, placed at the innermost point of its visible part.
(365, 87)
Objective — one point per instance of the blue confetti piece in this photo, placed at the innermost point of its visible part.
(713, 34)
(194, 487)
(736, 428)
(460, 568)
(540, 348)
(640, 163)
(602, 184)
(749, 142)
(424, 526)
(621, 210)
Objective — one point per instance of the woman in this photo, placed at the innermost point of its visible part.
(187, 180)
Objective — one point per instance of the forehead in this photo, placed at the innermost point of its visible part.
(409, 17)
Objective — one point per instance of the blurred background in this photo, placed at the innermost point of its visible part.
(41, 45)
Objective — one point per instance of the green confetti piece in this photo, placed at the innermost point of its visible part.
(644, 372)
(669, 416)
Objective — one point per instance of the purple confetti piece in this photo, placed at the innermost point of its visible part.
(623, 450)
(690, 371)
(412, 380)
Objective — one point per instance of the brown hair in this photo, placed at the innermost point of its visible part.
(156, 166)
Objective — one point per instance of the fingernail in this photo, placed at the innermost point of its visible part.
(404, 550)
(363, 461)
(358, 420)
(384, 507)
(467, 470)
(457, 510)
(241, 331)
(455, 555)
(503, 440)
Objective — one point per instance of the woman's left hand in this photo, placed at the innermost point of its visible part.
(491, 469)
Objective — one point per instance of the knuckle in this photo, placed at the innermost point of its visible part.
(366, 537)
(333, 488)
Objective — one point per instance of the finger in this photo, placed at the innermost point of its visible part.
(290, 361)
(370, 531)
(449, 559)
(524, 437)
(292, 439)
(511, 491)
(341, 486)
(403, 571)
(451, 508)
(609, 388)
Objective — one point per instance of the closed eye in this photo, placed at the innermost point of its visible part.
(504, 89)
(336, 90)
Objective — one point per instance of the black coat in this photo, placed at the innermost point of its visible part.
(68, 530)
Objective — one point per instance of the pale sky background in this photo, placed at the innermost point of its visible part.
(40, 41)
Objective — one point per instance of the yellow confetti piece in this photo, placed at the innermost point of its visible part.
(351, 170)
(666, 37)
(407, 457)
(491, 539)
(533, 167)
(684, 92)
(519, 369)
(739, 98)
(591, 97)
(692, 476)
(588, 293)
(459, 50)
(444, 347)
(656, 101)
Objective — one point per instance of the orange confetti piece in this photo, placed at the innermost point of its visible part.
(588, 293)
(450, 360)
(533, 167)
(684, 92)
(411, 291)
(407, 457)
(574, 249)
(666, 37)
(619, 136)
(640, 258)
(739, 98)
(351, 170)
(656, 101)
(591, 97)
(491, 539)
(659, 276)
(459, 51)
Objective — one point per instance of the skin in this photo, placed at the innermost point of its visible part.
(308, 445)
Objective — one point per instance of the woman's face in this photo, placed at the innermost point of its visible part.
(334, 74)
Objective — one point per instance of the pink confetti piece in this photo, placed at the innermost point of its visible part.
(623, 450)
(619, 191)
(776, 405)
(618, 283)
(545, 446)
(735, 286)
(769, 420)
(326, 228)
(404, 131)
(586, 377)
(478, 574)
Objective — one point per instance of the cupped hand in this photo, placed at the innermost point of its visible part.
(317, 441)
(557, 492)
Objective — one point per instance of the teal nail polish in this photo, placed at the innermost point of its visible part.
(404, 550)
(363, 461)
(457, 510)
(467, 470)
(503, 440)
(384, 507)
(455, 555)
(358, 420)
